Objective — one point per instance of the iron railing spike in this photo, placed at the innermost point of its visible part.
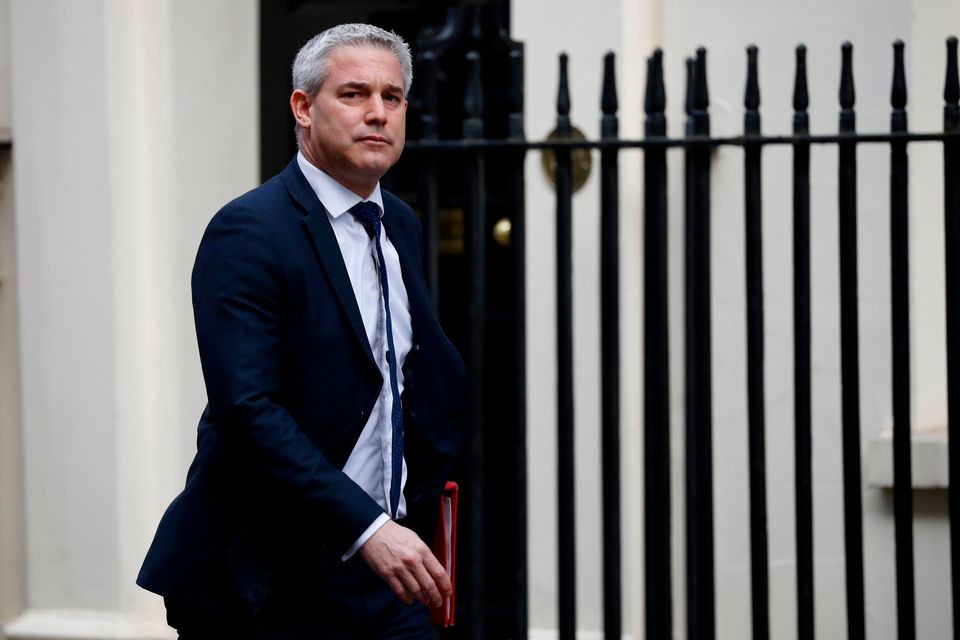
(701, 96)
(608, 101)
(648, 103)
(654, 100)
(751, 97)
(847, 93)
(951, 87)
(473, 98)
(801, 98)
(660, 94)
(655, 94)
(898, 93)
(563, 89)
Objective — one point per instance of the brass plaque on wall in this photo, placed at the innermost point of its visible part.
(580, 161)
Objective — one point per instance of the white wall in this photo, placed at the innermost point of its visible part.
(122, 111)
(11, 468)
(586, 30)
(11, 476)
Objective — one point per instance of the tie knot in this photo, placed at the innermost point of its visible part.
(368, 215)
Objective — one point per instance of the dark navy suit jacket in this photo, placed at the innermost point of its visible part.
(290, 384)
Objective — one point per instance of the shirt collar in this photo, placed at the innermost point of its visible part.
(335, 197)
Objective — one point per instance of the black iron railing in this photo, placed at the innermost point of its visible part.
(697, 145)
(803, 450)
(951, 210)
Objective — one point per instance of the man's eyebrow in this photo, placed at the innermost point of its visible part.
(357, 84)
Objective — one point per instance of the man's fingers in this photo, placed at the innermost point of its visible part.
(428, 585)
(399, 589)
(412, 584)
(439, 574)
(407, 565)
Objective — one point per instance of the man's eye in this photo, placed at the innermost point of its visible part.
(350, 95)
(392, 98)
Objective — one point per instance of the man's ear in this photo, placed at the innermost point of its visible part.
(300, 103)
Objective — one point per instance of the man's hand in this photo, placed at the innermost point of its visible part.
(401, 558)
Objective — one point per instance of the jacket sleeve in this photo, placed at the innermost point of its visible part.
(238, 301)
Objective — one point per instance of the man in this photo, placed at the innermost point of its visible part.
(335, 402)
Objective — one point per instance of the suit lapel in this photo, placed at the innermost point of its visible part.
(325, 242)
(416, 289)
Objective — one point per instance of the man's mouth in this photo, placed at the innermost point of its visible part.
(375, 139)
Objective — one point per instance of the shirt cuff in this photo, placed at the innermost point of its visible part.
(381, 520)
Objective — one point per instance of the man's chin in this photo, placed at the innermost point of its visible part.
(377, 165)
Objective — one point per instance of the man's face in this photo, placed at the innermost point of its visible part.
(354, 127)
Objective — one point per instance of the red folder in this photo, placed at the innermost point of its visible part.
(445, 549)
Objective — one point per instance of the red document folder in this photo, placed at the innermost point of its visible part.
(445, 549)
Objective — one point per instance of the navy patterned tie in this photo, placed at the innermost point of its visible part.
(368, 215)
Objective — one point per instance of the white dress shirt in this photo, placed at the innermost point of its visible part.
(370, 461)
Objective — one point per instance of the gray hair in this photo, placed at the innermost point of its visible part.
(310, 65)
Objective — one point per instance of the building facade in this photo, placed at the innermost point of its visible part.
(130, 122)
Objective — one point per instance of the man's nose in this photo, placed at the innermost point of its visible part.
(376, 109)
